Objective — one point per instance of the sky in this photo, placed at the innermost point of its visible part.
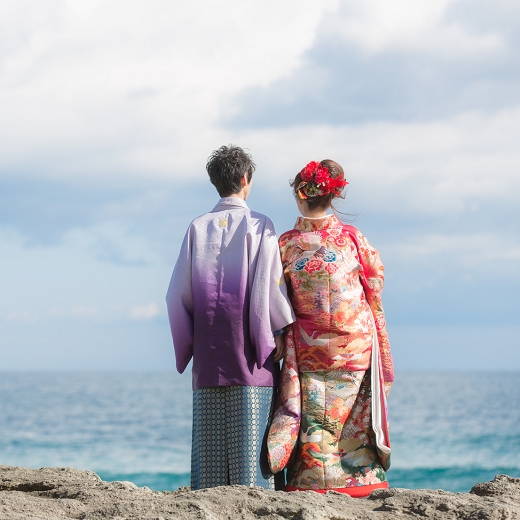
(109, 110)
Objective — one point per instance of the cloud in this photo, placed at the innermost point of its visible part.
(451, 278)
(85, 313)
(23, 316)
(144, 312)
(464, 164)
(399, 61)
(476, 251)
(429, 27)
(132, 88)
(94, 112)
(127, 223)
(110, 110)
(460, 172)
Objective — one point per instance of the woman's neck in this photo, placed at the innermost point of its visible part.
(312, 213)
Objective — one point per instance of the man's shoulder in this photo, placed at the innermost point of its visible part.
(254, 218)
(201, 219)
(255, 215)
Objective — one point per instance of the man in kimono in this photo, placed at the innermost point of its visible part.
(227, 305)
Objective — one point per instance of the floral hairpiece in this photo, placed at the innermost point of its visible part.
(317, 181)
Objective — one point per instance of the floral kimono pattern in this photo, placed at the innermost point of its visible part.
(322, 428)
(335, 281)
(335, 449)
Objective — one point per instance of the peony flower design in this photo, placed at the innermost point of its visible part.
(329, 256)
(313, 265)
(300, 264)
(340, 317)
(296, 282)
(331, 268)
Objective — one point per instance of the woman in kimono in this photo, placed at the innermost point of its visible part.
(330, 427)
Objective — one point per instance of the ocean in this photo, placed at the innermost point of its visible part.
(448, 430)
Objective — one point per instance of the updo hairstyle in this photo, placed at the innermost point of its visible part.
(323, 201)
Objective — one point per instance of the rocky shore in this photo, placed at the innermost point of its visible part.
(66, 493)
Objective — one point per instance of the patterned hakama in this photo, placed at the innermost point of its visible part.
(230, 425)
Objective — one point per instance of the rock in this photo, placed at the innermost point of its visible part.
(67, 493)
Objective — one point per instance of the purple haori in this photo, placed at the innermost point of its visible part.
(226, 297)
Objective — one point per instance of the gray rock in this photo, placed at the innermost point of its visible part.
(67, 493)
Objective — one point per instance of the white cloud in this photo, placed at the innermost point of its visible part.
(118, 87)
(429, 168)
(113, 241)
(409, 25)
(144, 312)
(82, 311)
(97, 87)
(87, 313)
(23, 316)
(475, 251)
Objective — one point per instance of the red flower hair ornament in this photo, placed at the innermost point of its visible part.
(317, 181)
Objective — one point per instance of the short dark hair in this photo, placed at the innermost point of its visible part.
(226, 166)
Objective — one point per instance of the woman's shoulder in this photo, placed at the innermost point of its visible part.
(350, 229)
(288, 236)
(358, 239)
(354, 233)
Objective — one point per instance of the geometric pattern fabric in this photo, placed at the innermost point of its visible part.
(229, 439)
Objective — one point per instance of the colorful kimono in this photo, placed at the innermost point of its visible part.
(226, 297)
(330, 428)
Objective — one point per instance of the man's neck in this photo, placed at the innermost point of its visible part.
(242, 194)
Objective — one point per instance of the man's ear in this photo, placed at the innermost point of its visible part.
(243, 180)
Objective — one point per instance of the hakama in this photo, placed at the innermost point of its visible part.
(224, 452)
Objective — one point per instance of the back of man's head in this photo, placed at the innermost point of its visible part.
(226, 167)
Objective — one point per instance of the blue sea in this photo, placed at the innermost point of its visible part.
(449, 430)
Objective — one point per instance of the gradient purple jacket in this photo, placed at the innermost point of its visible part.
(226, 297)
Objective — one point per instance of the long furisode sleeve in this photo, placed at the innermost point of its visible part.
(372, 277)
(270, 309)
(179, 300)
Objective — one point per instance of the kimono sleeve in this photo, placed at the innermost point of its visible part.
(373, 279)
(270, 309)
(179, 300)
(285, 425)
